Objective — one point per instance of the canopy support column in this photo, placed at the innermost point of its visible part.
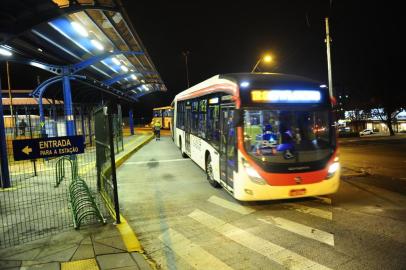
(67, 102)
(131, 121)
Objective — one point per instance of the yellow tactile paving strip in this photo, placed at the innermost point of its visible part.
(89, 264)
(127, 234)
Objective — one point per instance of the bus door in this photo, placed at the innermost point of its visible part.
(188, 126)
(228, 151)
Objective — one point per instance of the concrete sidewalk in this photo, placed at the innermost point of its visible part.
(92, 247)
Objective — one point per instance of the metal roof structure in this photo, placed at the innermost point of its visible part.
(91, 41)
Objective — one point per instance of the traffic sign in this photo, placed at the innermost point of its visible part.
(47, 147)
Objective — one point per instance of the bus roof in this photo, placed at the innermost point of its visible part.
(234, 79)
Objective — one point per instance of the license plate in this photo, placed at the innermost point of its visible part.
(297, 192)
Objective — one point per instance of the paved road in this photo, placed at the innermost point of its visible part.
(184, 223)
(382, 157)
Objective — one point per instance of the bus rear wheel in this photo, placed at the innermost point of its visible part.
(209, 172)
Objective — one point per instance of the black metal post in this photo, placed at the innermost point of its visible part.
(113, 166)
(89, 126)
(5, 174)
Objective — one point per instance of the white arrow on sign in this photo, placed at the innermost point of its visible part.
(27, 150)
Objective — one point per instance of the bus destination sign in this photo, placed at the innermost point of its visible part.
(47, 147)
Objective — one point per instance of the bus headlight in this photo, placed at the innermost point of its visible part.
(332, 169)
(253, 174)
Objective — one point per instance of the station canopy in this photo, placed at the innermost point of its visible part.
(65, 33)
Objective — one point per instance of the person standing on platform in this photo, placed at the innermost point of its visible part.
(22, 127)
(157, 130)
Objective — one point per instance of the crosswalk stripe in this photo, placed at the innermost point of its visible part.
(311, 210)
(231, 206)
(300, 229)
(324, 200)
(190, 252)
(281, 255)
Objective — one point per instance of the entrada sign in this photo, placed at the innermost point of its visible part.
(47, 147)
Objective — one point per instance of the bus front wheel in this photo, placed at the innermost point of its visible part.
(209, 172)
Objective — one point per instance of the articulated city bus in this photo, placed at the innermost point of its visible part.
(163, 115)
(261, 136)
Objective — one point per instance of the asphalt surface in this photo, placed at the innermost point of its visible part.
(184, 223)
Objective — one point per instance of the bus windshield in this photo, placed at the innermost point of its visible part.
(287, 136)
(157, 113)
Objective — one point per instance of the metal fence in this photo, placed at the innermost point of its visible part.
(107, 143)
(38, 203)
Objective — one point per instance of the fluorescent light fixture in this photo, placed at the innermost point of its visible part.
(285, 96)
(5, 52)
(97, 44)
(323, 86)
(80, 29)
(134, 77)
(38, 65)
(124, 68)
(115, 61)
(244, 84)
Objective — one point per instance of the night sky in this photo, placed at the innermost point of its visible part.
(366, 46)
(225, 37)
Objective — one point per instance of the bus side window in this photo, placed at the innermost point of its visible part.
(202, 118)
(213, 127)
(195, 117)
(180, 115)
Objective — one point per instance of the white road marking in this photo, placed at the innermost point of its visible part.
(311, 211)
(156, 161)
(193, 254)
(281, 255)
(231, 206)
(324, 199)
(300, 229)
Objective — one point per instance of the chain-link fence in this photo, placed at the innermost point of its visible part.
(38, 203)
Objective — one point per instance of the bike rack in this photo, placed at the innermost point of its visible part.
(60, 169)
(82, 202)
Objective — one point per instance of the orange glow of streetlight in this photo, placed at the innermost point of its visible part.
(266, 58)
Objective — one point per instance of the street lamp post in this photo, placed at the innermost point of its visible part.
(266, 58)
(185, 54)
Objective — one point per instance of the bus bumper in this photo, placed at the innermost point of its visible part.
(246, 190)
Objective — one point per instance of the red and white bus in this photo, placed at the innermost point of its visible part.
(260, 136)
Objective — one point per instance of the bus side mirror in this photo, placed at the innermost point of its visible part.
(238, 118)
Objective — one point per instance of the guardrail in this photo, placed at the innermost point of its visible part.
(82, 202)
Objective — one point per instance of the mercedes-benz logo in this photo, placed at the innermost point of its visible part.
(298, 180)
